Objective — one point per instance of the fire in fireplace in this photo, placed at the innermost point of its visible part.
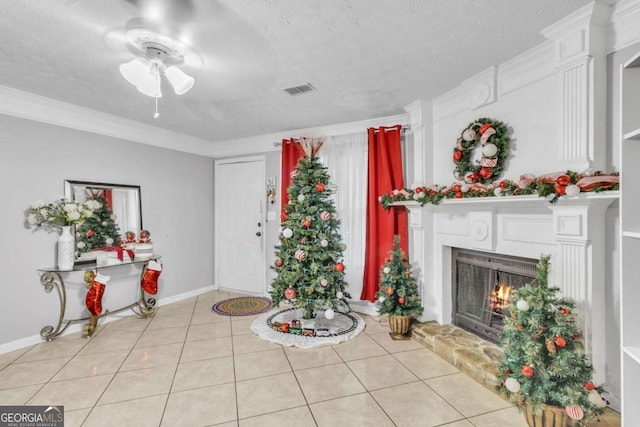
(482, 288)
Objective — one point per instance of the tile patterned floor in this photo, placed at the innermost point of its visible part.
(189, 366)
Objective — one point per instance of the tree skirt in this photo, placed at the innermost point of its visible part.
(242, 306)
(343, 327)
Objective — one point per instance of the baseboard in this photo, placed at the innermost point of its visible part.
(77, 327)
(364, 307)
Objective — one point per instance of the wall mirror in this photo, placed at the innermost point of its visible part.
(124, 201)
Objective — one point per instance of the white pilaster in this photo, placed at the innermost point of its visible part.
(580, 42)
(579, 271)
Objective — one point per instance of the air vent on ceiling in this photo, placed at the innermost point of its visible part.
(299, 90)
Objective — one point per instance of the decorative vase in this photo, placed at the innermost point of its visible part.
(66, 249)
(399, 326)
(547, 416)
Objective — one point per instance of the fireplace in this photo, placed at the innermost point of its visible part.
(482, 287)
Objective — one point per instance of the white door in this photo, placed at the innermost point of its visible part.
(239, 225)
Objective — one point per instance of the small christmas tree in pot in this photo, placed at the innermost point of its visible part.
(398, 293)
(545, 370)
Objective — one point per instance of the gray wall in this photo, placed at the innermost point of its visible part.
(36, 158)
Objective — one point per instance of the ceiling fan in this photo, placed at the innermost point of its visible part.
(180, 39)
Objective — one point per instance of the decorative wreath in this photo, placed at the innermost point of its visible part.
(494, 141)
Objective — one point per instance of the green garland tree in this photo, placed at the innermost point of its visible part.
(310, 271)
(398, 293)
(544, 360)
(99, 231)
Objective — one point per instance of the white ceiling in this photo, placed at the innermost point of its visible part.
(367, 58)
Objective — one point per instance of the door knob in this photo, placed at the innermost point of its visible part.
(258, 234)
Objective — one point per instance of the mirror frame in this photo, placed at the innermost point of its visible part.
(69, 194)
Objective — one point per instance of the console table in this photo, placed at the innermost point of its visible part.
(53, 278)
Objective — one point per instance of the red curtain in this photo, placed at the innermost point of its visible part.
(291, 153)
(384, 175)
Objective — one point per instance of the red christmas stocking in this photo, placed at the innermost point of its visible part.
(150, 278)
(94, 295)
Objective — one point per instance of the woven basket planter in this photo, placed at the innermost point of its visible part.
(547, 416)
(399, 325)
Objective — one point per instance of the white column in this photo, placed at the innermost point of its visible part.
(580, 41)
(579, 270)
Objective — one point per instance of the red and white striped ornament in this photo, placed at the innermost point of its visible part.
(293, 173)
(300, 255)
(574, 412)
(325, 216)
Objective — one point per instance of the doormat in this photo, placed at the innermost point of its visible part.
(242, 306)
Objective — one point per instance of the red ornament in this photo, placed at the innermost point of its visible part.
(503, 185)
(559, 341)
(564, 180)
(419, 190)
(290, 293)
(339, 267)
(456, 188)
(390, 291)
(565, 311)
(527, 371)
(459, 195)
(307, 223)
(90, 233)
(278, 262)
(319, 187)
(589, 385)
(457, 155)
(484, 128)
(486, 173)
(560, 189)
(473, 177)
(401, 300)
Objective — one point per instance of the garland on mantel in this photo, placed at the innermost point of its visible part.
(552, 186)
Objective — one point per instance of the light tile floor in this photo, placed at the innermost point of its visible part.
(189, 366)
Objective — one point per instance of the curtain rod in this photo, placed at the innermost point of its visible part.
(403, 129)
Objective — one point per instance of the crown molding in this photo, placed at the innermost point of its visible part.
(17, 103)
(527, 68)
(267, 142)
(624, 30)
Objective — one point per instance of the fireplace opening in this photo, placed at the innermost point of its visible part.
(482, 287)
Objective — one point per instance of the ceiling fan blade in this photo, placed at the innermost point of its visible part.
(165, 10)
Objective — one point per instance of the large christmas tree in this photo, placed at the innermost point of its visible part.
(310, 271)
(99, 231)
(543, 349)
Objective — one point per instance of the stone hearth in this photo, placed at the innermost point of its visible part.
(465, 351)
(476, 357)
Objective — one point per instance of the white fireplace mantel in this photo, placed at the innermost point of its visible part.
(571, 231)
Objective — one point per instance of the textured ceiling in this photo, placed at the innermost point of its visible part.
(367, 58)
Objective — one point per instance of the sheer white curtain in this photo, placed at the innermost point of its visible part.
(345, 157)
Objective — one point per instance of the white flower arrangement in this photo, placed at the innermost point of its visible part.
(60, 212)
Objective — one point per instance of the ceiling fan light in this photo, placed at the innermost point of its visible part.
(180, 81)
(150, 84)
(135, 71)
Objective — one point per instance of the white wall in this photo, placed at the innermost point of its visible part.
(533, 116)
(36, 158)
